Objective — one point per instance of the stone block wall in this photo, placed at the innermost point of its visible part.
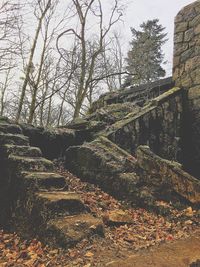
(134, 94)
(186, 74)
(157, 125)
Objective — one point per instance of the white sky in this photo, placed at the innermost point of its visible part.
(138, 11)
(165, 10)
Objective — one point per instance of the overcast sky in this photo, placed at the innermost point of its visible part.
(165, 10)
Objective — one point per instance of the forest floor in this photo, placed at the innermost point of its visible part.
(139, 232)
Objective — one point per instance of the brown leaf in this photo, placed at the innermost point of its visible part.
(89, 254)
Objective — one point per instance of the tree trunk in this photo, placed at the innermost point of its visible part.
(49, 112)
(61, 109)
(77, 109)
(35, 89)
(30, 62)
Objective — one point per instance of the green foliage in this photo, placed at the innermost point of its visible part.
(145, 58)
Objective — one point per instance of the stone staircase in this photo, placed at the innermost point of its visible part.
(34, 200)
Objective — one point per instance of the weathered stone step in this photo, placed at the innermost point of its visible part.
(14, 139)
(10, 128)
(103, 163)
(30, 164)
(44, 180)
(58, 203)
(69, 230)
(21, 151)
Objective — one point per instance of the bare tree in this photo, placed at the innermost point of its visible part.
(84, 10)
(4, 86)
(64, 84)
(9, 15)
(43, 10)
(114, 63)
(47, 37)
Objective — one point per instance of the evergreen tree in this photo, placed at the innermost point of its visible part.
(145, 58)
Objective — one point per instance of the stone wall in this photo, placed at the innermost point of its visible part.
(167, 175)
(186, 74)
(134, 94)
(157, 125)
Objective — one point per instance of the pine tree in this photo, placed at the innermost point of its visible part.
(145, 58)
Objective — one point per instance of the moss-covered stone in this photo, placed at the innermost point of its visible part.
(60, 202)
(4, 120)
(13, 139)
(43, 181)
(52, 142)
(10, 128)
(168, 176)
(103, 163)
(27, 151)
(68, 231)
(24, 173)
(134, 94)
(19, 163)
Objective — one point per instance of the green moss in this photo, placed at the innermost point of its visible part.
(156, 101)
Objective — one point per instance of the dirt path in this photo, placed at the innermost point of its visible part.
(180, 253)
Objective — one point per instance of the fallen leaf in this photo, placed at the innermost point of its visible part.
(89, 254)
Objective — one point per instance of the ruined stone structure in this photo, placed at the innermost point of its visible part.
(126, 144)
(134, 94)
(158, 125)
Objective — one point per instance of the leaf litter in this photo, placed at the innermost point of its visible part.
(122, 239)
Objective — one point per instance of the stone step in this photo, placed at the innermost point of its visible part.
(26, 151)
(30, 164)
(10, 128)
(57, 203)
(70, 230)
(14, 139)
(44, 180)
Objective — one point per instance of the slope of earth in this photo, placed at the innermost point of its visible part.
(128, 231)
